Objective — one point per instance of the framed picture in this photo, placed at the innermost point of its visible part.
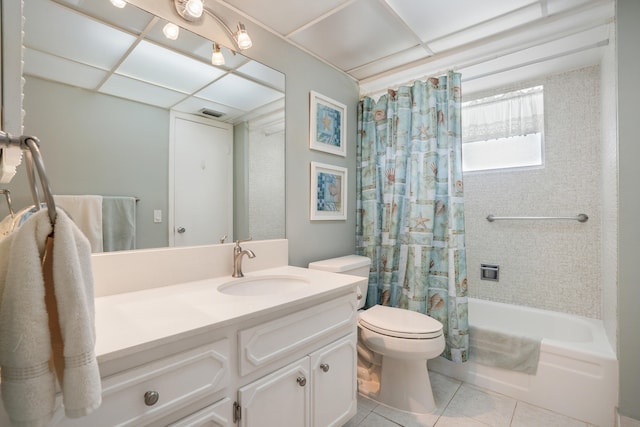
(328, 125)
(328, 192)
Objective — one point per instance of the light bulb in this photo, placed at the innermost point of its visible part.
(194, 8)
(119, 3)
(216, 56)
(244, 41)
(171, 31)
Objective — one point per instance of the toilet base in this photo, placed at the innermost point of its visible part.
(405, 385)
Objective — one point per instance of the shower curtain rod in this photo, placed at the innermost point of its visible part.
(580, 218)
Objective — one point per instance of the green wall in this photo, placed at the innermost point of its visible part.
(628, 17)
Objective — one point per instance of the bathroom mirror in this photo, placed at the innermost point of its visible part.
(101, 86)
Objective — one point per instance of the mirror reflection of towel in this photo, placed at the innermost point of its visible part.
(118, 223)
(86, 212)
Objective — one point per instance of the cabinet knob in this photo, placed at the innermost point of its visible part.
(151, 398)
(324, 367)
(301, 381)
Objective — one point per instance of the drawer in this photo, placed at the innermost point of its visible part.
(219, 414)
(175, 381)
(265, 343)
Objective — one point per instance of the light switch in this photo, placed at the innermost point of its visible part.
(157, 215)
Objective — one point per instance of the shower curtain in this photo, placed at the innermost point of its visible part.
(410, 205)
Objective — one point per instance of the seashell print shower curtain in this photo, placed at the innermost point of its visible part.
(410, 204)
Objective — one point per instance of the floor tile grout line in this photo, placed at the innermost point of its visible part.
(513, 414)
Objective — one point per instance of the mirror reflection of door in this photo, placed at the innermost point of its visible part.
(201, 203)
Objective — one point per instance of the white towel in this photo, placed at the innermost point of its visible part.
(86, 212)
(28, 383)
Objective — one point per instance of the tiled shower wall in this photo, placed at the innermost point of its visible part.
(554, 265)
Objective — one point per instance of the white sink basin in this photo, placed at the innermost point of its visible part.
(263, 285)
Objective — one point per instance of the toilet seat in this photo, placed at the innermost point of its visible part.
(399, 323)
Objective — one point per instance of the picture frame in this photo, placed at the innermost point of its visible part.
(328, 123)
(328, 192)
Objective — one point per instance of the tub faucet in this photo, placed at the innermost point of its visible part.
(238, 252)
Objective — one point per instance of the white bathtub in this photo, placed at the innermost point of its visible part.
(577, 373)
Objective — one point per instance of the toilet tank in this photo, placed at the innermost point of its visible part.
(355, 265)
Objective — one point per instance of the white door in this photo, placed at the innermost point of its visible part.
(201, 199)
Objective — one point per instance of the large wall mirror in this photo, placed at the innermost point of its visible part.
(106, 92)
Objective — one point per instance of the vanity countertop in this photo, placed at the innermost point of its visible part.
(130, 322)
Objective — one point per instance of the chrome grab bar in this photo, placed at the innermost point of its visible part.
(580, 218)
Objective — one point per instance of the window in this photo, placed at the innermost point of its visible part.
(503, 131)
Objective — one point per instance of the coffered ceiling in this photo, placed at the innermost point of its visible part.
(385, 42)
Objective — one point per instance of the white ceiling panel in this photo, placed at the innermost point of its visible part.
(286, 16)
(61, 70)
(51, 28)
(262, 73)
(356, 35)
(129, 18)
(160, 66)
(145, 93)
(239, 93)
(432, 21)
(487, 28)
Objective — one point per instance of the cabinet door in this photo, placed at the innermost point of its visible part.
(219, 414)
(334, 383)
(279, 399)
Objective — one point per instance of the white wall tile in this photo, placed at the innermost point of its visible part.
(554, 265)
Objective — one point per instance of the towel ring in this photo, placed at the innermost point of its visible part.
(29, 144)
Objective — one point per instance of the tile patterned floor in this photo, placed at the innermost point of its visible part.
(462, 405)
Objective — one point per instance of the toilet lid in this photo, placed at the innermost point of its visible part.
(397, 322)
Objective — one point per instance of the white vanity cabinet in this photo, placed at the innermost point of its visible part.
(318, 390)
(190, 355)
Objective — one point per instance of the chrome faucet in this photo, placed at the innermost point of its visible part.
(238, 252)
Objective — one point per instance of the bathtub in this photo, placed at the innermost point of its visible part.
(577, 373)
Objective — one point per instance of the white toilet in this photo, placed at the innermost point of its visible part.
(393, 346)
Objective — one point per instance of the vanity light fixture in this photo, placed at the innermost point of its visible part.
(216, 56)
(242, 37)
(171, 31)
(191, 10)
(119, 3)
